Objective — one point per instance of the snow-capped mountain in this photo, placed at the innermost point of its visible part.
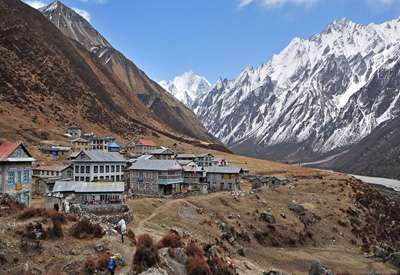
(316, 96)
(187, 87)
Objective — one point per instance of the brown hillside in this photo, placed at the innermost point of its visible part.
(49, 81)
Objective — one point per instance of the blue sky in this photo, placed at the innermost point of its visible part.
(216, 38)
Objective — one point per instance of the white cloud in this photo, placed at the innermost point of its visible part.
(83, 13)
(37, 4)
(277, 3)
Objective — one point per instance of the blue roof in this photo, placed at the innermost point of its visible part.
(114, 145)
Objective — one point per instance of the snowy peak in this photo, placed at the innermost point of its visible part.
(74, 25)
(187, 87)
(312, 97)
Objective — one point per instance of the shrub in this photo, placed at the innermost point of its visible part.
(56, 230)
(131, 235)
(146, 254)
(90, 265)
(193, 250)
(172, 240)
(84, 228)
(30, 213)
(197, 266)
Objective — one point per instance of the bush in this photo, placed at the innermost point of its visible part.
(193, 250)
(131, 235)
(31, 212)
(56, 230)
(84, 229)
(90, 265)
(197, 266)
(171, 240)
(146, 254)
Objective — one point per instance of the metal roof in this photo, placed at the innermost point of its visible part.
(58, 168)
(88, 187)
(223, 169)
(101, 156)
(161, 151)
(185, 156)
(155, 165)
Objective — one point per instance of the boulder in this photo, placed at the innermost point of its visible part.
(180, 255)
(296, 208)
(154, 271)
(380, 252)
(318, 269)
(274, 272)
(267, 217)
(394, 259)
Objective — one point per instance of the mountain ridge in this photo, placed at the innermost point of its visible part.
(308, 99)
(169, 110)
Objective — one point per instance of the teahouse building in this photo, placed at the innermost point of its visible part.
(141, 147)
(155, 177)
(98, 165)
(16, 171)
(221, 178)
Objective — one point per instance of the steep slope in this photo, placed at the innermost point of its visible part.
(308, 100)
(49, 81)
(169, 110)
(187, 87)
(376, 155)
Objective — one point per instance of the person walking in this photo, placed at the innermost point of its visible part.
(122, 229)
(112, 263)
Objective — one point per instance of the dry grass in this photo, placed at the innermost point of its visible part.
(85, 229)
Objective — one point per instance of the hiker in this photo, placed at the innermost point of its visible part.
(122, 229)
(112, 263)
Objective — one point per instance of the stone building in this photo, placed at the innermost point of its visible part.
(155, 177)
(16, 171)
(221, 178)
(99, 165)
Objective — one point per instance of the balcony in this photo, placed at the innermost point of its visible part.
(170, 180)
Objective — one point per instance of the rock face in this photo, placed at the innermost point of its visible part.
(167, 109)
(318, 269)
(187, 87)
(316, 97)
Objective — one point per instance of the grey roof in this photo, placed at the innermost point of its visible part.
(88, 187)
(161, 151)
(186, 156)
(101, 156)
(205, 155)
(155, 165)
(184, 162)
(223, 169)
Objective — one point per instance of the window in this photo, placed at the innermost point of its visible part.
(95, 178)
(82, 169)
(26, 176)
(112, 178)
(102, 169)
(48, 173)
(52, 173)
(117, 178)
(96, 169)
(107, 169)
(117, 169)
(76, 178)
(112, 168)
(122, 177)
(87, 179)
(101, 177)
(87, 169)
(11, 178)
(107, 177)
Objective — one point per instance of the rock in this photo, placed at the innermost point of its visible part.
(283, 215)
(296, 208)
(213, 251)
(380, 252)
(73, 252)
(274, 272)
(241, 252)
(154, 271)
(318, 269)
(180, 255)
(394, 259)
(99, 247)
(72, 267)
(267, 217)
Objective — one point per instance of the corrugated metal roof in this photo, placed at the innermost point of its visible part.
(101, 156)
(155, 165)
(58, 168)
(161, 151)
(223, 169)
(185, 156)
(88, 187)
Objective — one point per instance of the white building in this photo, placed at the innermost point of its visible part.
(98, 165)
